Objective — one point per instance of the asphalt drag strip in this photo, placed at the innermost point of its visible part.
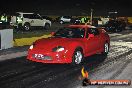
(22, 73)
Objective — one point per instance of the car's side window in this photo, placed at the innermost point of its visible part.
(34, 16)
(31, 16)
(37, 17)
(94, 31)
(26, 16)
(79, 33)
(67, 17)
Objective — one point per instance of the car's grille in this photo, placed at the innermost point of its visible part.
(45, 57)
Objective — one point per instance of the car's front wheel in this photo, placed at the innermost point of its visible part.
(77, 57)
(61, 22)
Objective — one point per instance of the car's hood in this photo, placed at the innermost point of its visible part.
(50, 43)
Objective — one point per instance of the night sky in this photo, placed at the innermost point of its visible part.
(101, 7)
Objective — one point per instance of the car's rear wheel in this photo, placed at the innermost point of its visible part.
(47, 26)
(105, 52)
(106, 49)
(77, 57)
(27, 26)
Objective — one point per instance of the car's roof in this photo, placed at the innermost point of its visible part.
(81, 26)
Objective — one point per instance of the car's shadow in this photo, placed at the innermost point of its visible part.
(22, 68)
(93, 61)
(88, 62)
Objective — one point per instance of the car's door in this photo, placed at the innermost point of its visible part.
(67, 18)
(92, 43)
(36, 20)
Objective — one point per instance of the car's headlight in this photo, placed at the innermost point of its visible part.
(31, 47)
(58, 49)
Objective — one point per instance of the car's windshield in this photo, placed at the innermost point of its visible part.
(70, 33)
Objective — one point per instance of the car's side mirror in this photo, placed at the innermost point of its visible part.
(91, 35)
(52, 33)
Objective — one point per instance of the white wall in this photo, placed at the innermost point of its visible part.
(6, 36)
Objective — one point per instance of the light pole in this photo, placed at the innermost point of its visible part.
(91, 17)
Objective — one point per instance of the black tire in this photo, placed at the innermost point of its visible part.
(47, 26)
(61, 22)
(106, 49)
(77, 57)
(105, 52)
(121, 29)
(114, 30)
(27, 27)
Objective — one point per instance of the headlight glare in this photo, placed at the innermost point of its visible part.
(58, 49)
(31, 47)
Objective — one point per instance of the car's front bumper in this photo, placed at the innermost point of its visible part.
(49, 57)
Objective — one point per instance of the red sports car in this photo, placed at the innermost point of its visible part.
(70, 44)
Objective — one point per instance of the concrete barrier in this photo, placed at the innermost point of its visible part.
(6, 38)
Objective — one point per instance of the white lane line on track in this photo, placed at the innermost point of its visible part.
(127, 44)
(114, 34)
(121, 36)
(118, 48)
